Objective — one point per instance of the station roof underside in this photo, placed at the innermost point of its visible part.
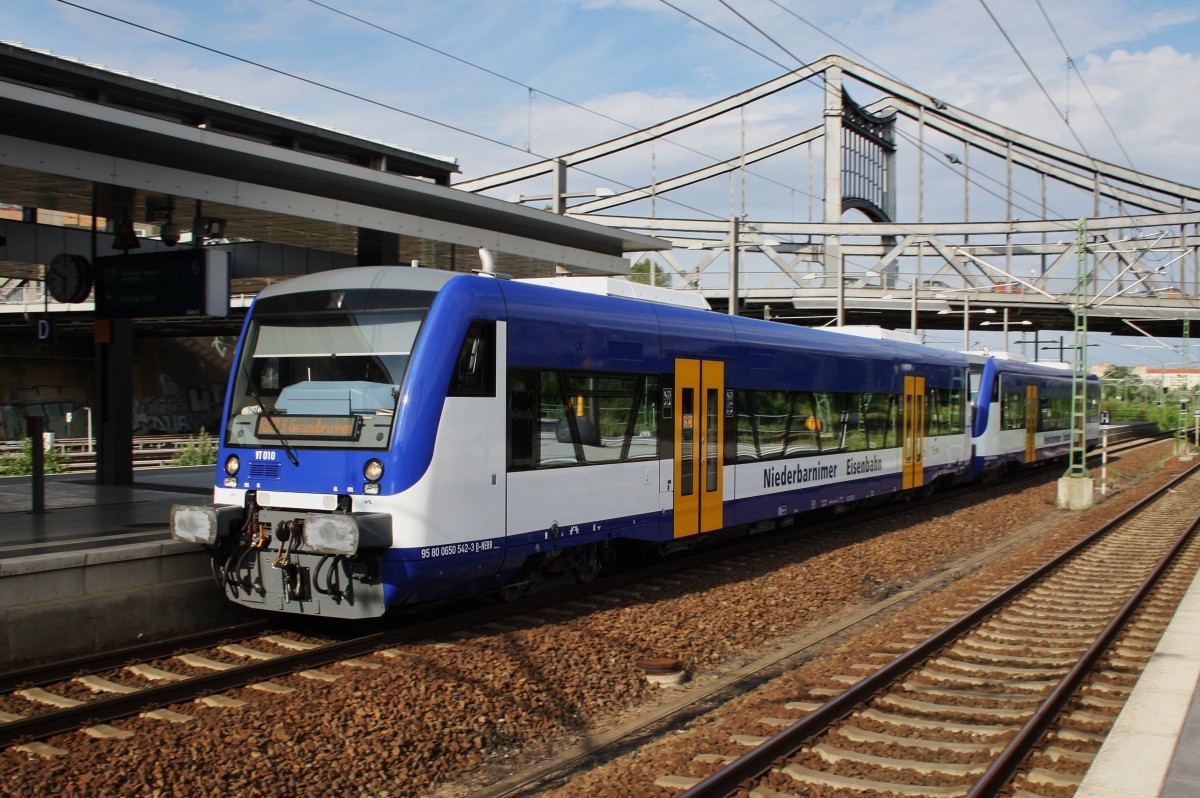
(293, 197)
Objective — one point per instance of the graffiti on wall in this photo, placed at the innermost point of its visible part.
(165, 412)
(173, 409)
(178, 387)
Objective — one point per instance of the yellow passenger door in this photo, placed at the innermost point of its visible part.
(699, 421)
(1031, 422)
(914, 432)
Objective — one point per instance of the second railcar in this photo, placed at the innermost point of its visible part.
(1022, 413)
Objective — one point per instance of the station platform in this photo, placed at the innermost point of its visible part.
(1153, 750)
(82, 515)
(98, 570)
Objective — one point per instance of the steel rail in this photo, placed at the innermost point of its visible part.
(784, 743)
(431, 621)
(119, 706)
(1009, 760)
(39, 675)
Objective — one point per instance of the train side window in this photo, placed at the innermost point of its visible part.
(475, 366)
(944, 411)
(571, 418)
(523, 419)
(770, 416)
(604, 419)
(855, 417)
(787, 424)
(1055, 413)
(747, 441)
(558, 434)
(881, 420)
(804, 425)
(1012, 405)
(830, 420)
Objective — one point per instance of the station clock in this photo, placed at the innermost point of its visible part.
(69, 278)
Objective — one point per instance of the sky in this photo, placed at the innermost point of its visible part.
(494, 84)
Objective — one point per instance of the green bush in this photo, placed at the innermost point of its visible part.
(21, 463)
(200, 449)
(1166, 415)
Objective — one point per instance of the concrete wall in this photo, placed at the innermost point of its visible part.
(55, 606)
(178, 384)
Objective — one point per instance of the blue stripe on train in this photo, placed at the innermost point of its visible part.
(463, 568)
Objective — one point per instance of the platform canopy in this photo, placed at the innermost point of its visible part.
(93, 161)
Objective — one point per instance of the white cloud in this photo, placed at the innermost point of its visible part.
(1149, 99)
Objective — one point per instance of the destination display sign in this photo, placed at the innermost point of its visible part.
(339, 428)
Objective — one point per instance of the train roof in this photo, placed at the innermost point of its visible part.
(610, 286)
(405, 278)
(572, 328)
(1022, 366)
(876, 332)
(642, 319)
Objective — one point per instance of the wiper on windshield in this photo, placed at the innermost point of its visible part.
(265, 413)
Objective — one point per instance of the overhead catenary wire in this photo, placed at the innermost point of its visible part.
(290, 75)
(1083, 82)
(351, 95)
(845, 46)
(1033, 74)
(760, 31)
(883, 70)
(527, 148)
(523, 149)
(799, 60)
(1028, 68)
(534, 90)
(728, 36)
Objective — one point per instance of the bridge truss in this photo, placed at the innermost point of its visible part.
(872, 256)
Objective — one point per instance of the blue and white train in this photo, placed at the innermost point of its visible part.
(395, 435)
(1022, 413)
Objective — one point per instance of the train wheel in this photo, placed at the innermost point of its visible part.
(587, 568)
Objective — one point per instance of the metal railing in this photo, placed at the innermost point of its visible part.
(79, 455)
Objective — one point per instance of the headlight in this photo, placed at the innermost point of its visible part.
(330, 534)
(232, 464)
(194, 524)
(373, 470)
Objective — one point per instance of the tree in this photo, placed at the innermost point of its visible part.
(640, 273)
(1116, 382)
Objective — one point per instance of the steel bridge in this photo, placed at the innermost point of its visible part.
(1128, 239)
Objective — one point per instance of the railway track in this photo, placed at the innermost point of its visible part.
(419, 638)
(1045, 663)
(90, 693)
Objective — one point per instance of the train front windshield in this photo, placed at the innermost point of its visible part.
(324, 369)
